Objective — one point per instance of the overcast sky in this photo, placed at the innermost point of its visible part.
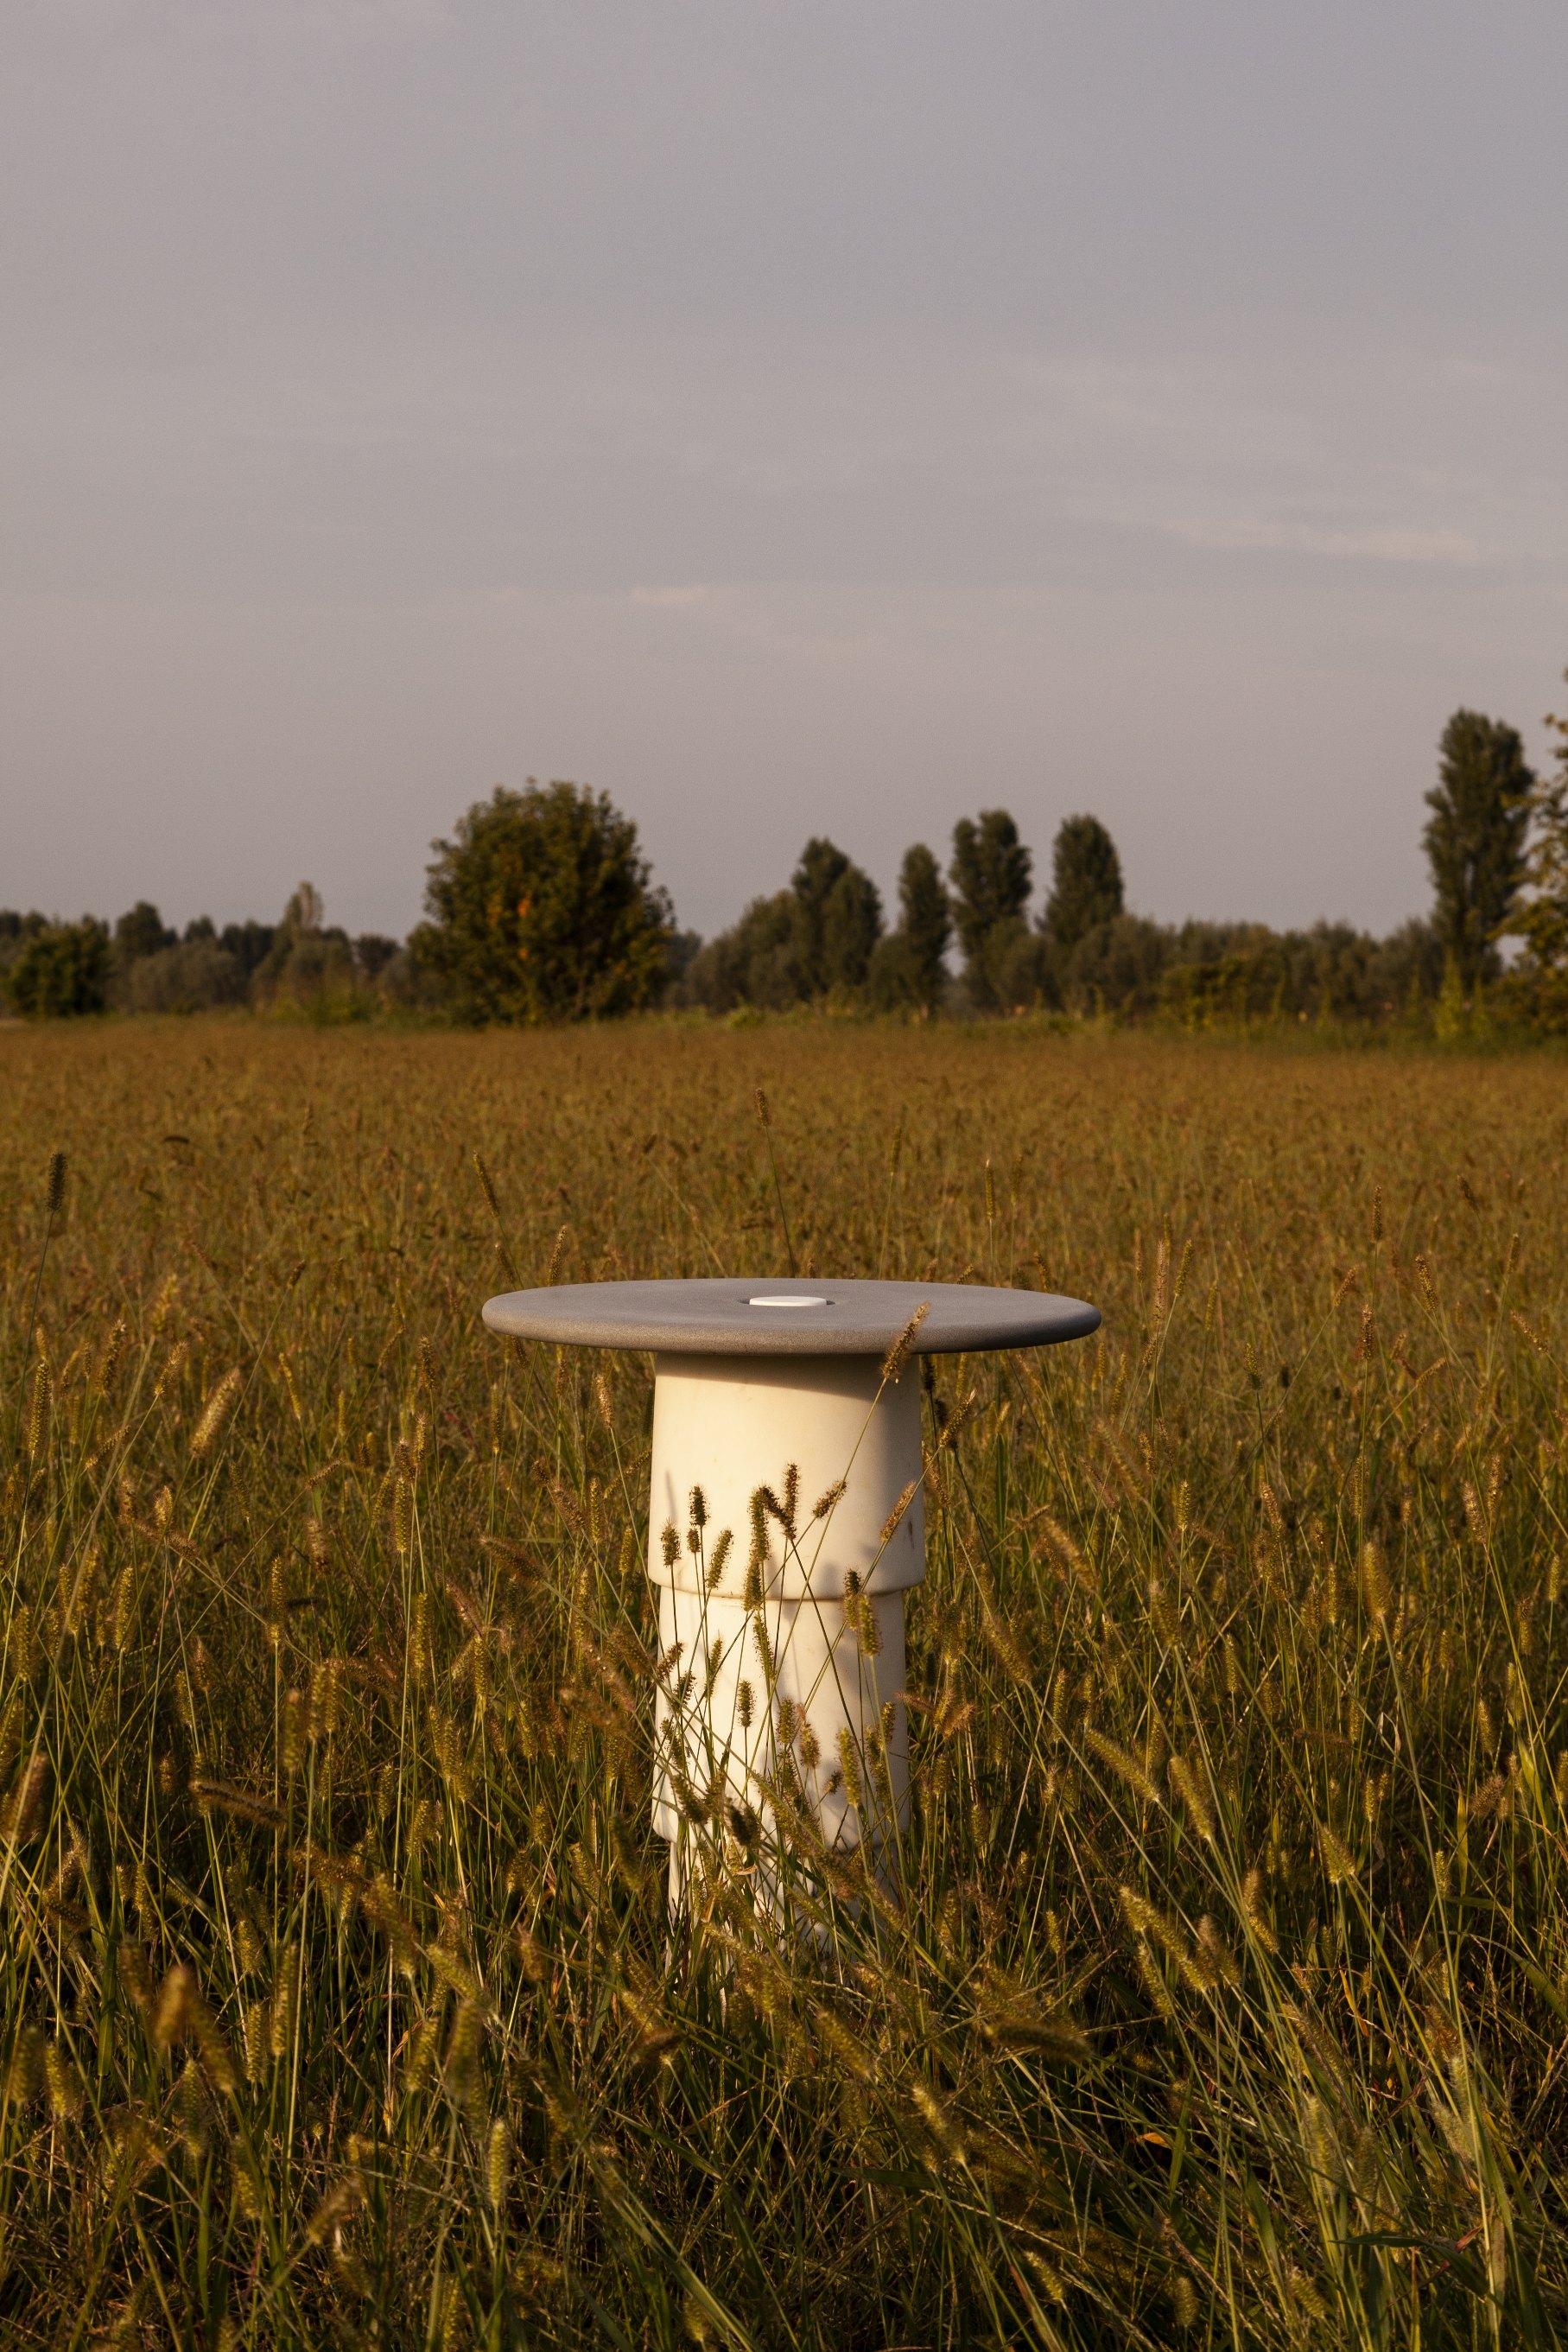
(789, 417)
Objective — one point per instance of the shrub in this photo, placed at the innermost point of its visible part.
(194, 977)
(61, 970)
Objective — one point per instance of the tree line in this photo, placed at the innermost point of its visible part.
(140, 964)
(541, 906)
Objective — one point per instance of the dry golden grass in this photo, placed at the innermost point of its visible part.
(1226, 1994)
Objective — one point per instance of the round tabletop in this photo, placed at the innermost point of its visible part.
(766, 1317)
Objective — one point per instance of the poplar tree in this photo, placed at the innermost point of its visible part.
(991, 874)
(925, 922)
(908, 967)
(1085, 882)
(1540, 921)
(838, 919)
(1475, 838)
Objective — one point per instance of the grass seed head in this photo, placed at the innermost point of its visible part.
(402, 1515)
(756, 1558)
(25, 2074)
(765, 1653)
(285, 2001)
(1188, 1782)
(488, 1186)
(172, 2013)
(256, 2032)
(292, 1745)
(1374, 1586)
(1253, 1911)
(326, 1692)
(498, 2163)
(849, 1766)
(890, 1524)
(898, 1355)
(1338, 1861)
(1125, 1764)
(62, 2083)
(214, 1412)
(36, 1421)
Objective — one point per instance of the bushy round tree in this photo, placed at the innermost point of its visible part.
(60, 970)
(542, 908)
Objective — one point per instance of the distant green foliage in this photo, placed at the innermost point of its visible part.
(372, 953)
(852, 928)
(60, 970)
(541, 908)
(1451, 1012)
(814, 941)
(1195, 974)
(141, 932)
(909, 967)
(1540, 985)
(926, 920)
(1116, 966)
(196, 976)
(15, 930)
(1086, 883)
(756, 962)
(1209, 974)
(990, 876)
(813, 882)
(837, 920)
(1475, 837)
(249, 943)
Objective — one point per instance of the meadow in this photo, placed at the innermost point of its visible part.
(1220, 1995)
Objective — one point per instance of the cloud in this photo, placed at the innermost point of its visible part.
(672, 597)
(348, 21)
(1387, 546)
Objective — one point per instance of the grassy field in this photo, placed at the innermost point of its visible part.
(1225, 1996)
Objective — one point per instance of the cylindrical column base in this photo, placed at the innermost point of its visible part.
(786, 1528)
(789, 1700)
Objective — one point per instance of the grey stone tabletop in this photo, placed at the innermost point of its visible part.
(769, 1317)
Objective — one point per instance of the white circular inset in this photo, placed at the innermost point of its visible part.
(787, 1302)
